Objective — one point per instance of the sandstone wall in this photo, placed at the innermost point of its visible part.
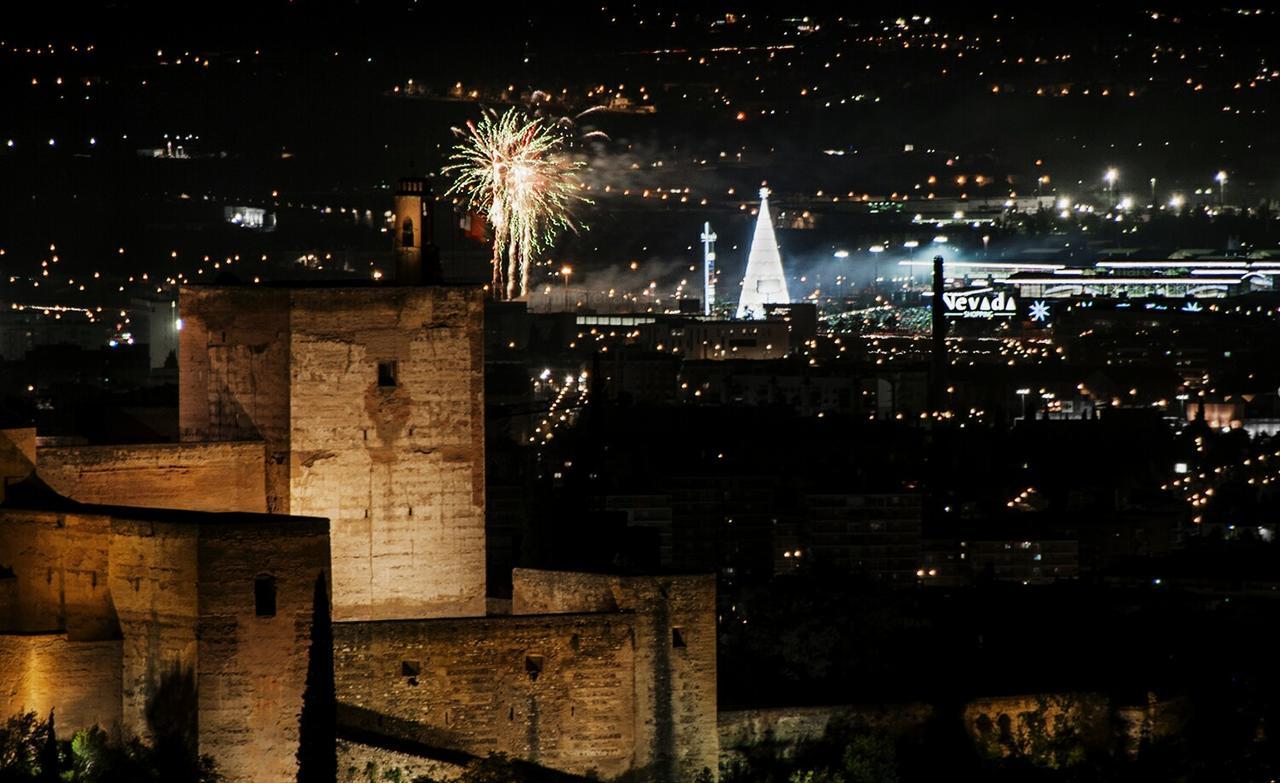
(397, 467)
(55, 570)
(17, 454)
(153, 587)
(1050, 728)
(675, 638)
(234, 385)
(138, 618)
(80, 680)
(251, 669)
(359, 763)
(785, 728)
(555, 690)
(196, 476)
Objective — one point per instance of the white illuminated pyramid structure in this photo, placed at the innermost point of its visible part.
(765, 282)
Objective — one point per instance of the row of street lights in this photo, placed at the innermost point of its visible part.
(1112, 177)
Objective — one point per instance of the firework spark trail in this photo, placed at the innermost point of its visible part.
(511, 168)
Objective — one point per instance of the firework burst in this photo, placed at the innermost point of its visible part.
(513, 169)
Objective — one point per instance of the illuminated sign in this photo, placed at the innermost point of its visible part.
(979, 303)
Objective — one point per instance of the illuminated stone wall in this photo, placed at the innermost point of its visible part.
(44, 672)
(783, 730)
(233, 352)
(370, 400)
(55, 579)
(17, 454)
(675, 639)
(590, 675)
(1050, 728)
(115, 616)
(252, 670)
(555, 690)
(197, 476)
(1040, 727)
(359, 763)
(152, 581)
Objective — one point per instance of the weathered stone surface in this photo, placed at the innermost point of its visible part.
(783, 729)
(224, 476)
(590, 674)
(363, 406)
(396, 464)
(252, 670)
(555, 690)
(359, 763)
(45, 672)
(110, 611)
(675, 664)
(57, 575)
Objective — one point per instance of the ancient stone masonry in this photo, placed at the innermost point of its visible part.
(555, 690)
(370, 401)
(44, 672)
(594, 675)
(360, 410)
(110, 614)
(675, 668)
(227, 476)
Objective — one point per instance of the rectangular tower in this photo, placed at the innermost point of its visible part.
(370, 402)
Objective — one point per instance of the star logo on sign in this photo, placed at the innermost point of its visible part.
(1039, 312)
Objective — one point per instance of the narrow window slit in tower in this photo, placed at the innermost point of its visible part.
(533, 666)
(264, 595)
(386, 374)
(410, 671)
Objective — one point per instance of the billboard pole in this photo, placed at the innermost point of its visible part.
(938, 379)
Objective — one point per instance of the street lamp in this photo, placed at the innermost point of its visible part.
(1153, 192)
(911, 246)
(876, 250)
(565, 272)
(1221, 179)
(1023, 394)
(1111, 178)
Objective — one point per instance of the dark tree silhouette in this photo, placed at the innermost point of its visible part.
(317, 751)
(50, 766)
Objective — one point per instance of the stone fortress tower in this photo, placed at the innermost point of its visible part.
(334, 435)
(370, 403)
